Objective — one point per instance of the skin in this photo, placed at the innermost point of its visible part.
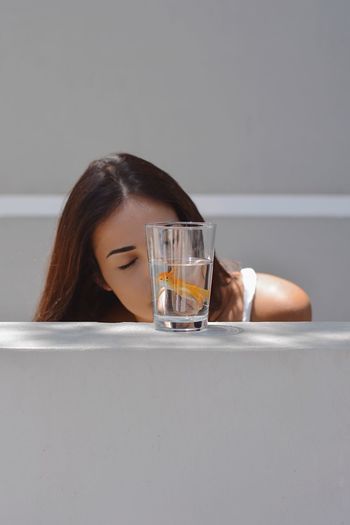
(125, 227)
(276, 299)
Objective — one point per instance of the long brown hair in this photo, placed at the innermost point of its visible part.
(71, 292)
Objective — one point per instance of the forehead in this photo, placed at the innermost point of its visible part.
(125, 226)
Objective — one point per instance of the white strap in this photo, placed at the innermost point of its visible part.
(249, 285)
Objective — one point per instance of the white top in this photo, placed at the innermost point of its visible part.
(249, 284)
(248, 276)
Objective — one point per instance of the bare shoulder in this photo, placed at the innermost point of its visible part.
(277, 299)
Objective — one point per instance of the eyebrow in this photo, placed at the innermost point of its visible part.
(121, 250)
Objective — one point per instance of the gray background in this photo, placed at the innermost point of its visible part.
(227, 96)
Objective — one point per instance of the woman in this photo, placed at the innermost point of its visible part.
(99, 270)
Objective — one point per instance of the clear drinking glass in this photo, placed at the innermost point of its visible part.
(180, 256)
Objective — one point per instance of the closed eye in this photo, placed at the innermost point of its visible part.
(125, 266)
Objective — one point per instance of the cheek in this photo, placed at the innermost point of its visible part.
(134, 289)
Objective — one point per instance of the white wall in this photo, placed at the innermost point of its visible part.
(118, 425)
(231, 97)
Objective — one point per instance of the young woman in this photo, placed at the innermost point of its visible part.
(99, 269)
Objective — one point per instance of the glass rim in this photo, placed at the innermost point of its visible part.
(179, 224)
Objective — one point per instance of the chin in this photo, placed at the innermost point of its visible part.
(144, 318)
(146, 315)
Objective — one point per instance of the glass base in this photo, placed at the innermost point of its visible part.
(180, 324)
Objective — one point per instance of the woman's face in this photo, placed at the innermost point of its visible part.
(119, 245)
